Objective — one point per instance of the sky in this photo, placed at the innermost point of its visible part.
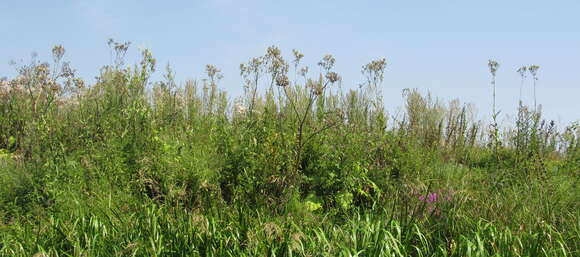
(440, 47)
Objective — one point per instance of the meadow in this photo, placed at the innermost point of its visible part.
(295, 166)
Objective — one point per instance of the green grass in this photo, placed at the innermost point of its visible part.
(293, 167)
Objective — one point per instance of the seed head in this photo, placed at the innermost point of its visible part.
(282, 81)
(304, 71)
(213, 72)
(332, 77)
(534, 71)
(493, 66)
(522, 71)
(327, 62)
(57, 52)
(297, 56)
(79, 83)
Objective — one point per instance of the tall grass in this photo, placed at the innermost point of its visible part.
(296, 166)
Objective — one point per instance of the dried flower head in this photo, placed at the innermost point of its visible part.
(213, 72)
(522, 71)
(273, 51)
(282, 81)
(304, 71)
(297, 56)
(275, 62)
(493, 66)
(534, 71)
(148, 62)
(119, 47)
(120, 50)
(377, 66)
(332, 77)
(327, 62)
(57, 53)
(79, 83)
(316, 87)
(272, 230)
(67, 71)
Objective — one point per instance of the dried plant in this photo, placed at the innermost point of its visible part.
(493, 66)
(533, 69)
(522, 71)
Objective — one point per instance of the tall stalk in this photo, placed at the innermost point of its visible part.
(522, 71)
(534, 71)
(493, 66)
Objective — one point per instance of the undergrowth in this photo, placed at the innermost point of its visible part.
(296, 166)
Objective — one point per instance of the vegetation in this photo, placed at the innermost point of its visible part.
(296, 166)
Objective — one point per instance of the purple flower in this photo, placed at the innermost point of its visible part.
(431, 198)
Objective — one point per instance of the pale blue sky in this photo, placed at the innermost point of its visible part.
(441, 46)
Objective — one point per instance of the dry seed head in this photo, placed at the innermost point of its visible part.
(42, 69)
(377, 66)
(276, 63)
(327, 62)
(297, 56)
(213, 72)
(79, 83)
(278, 66)
(534, 71)
(493, 66)
(239, 109)
(273, 51)
(522, 71)
(272, 230)
(67, 71)
(316, 87)
(119, 47)
(282, 81)
(304, 71)
(52, 85)
(58, 52)
(18, 81)
(148, 62)
(296, 240)
(332, 77)
(253, 66)
(242, 69)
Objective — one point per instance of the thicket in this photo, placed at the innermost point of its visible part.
(295, 166)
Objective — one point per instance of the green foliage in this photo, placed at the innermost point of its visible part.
(295, 166)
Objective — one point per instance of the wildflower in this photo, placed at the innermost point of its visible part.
(79, 83)
(213, 72)
(522, 70)
(273, 51)
(317, 88)
(534, 71)
(327, 62)
(493, 66)
(239, 109)
(303, 71)
(432, 201)
(376, 66)
(431, 198)
(67, 71)
(282, 81)
(297, 57)
(332, 77)
(58, 52)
